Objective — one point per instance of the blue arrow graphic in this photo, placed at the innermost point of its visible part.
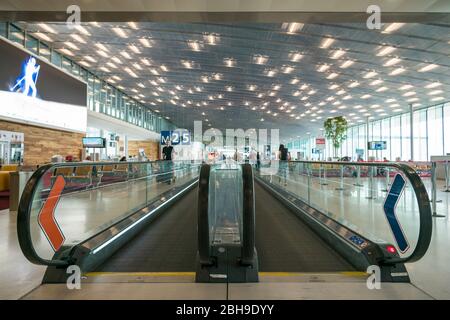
(390, 204)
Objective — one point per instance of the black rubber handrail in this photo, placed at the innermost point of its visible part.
(26, 203)
(203, 241)
(248, 219)
(423, 202)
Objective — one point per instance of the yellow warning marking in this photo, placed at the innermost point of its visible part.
(298, 274)
(140, 274)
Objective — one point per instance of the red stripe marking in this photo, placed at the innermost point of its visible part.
(46, 217)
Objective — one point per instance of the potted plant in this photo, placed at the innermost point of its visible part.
(336, 131)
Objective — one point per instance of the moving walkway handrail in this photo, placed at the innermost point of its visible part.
(248, 243)
(26, 203)
(423, 202)
(204, 249)
(248, 221)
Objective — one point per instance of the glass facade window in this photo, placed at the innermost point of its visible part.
(32, 44)
(420, 135)
(16, 35)
(435, 135)
(446, 134)
(406, 136)
(3, 29)
(44, 51)
(396, 139)
(431, 136)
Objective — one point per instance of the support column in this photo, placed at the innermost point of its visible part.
(366, 148)
(411, 130)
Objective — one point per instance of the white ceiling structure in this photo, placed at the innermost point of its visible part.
(290, 76)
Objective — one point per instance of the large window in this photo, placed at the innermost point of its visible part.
(396, 139)
(447, 128)
(435, 133)
(406, 137)
(420, 135)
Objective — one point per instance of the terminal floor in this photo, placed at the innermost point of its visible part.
(431, 274)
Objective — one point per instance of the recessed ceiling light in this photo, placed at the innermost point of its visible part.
(437, 98)
(211, 38)
(145, 42)
(370, 74)
(78, 38)
(332, 75)
(229, 62)
(406, 87)
(66, 51)
(295, 56)
(382, 89)
(46, 27)
(392, 27)
(337, 54)
(120, 32)
(397, 71)
(135, 49)
(294, 81)
(86, 64)
(187, 64)
(260, 59)
(347, 64)
(287, 69)
(353, 84)
(195, 45)
(428, 67)
(326, 43)
(434, 92)
(323, 68)
(292, 27)
(125, 55)
(130, 72)
(82, 29)
(43, 36)
(91, 59)
(72, 46)
(376, 82)
(102, 47)
(133, 25)
(392, 61)
(433, 85)
(409, 93)
(366, 96)
(112, 65)
(385, 50)
(271, 72)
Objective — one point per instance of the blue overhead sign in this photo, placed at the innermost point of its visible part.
(176, 137)
(390, 204)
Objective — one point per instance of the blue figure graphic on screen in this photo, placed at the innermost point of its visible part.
(27, 82)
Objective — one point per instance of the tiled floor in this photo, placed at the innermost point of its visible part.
(431, 274)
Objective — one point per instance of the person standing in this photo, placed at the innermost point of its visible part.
(167, 154)
(258, 160)
(283, 157)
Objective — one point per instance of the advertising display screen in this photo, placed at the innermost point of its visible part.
(377, 145)
(29, 75)
(94, 142)
(34, 91)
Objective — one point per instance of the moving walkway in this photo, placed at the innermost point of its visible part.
(222, 223)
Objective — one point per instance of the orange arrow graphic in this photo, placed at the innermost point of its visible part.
(46, 217)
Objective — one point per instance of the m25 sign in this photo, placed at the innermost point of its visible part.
(176, 137)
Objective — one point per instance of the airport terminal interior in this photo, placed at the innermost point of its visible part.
(209, 159)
